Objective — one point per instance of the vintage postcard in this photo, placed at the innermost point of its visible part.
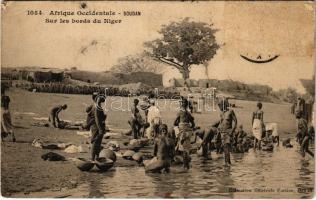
(158, 99)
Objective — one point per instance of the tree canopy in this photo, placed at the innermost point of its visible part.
(184, 44)
(136, 63)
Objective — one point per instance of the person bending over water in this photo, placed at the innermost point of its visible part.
(303, 135)
(206, 137)
(240, 140)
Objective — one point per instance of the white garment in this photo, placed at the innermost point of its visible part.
(257, 129)
(153, 118)
(153, 112)
(273, 127)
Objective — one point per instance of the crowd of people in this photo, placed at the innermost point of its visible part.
(64, 88)
(225, 135)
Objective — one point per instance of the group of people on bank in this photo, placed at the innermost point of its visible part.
(224, 136)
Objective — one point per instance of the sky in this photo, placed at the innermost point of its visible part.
(248, 28)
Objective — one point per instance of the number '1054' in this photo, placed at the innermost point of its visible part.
(34, 12)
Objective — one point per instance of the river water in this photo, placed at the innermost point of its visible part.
(282, 173)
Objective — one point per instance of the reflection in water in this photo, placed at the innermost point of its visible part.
(305, 181)
(256, 174)
(95, 189)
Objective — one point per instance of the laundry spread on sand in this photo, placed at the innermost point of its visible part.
(39, 143)
(41, 118)
(40, 124)
(113, 135)
(75, 149)
(86, 134)
(25, 113)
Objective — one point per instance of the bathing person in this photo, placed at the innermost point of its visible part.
(257, 125)
(226, 127)
(185, 122)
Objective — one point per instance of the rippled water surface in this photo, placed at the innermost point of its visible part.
(281, 174)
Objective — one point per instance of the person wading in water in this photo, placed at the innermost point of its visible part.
(97, 127)
(303, 135)
(185, 122)
(136, 120)
(226, 127)
(258, 126)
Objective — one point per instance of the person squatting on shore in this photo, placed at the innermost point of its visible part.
(185, 122)
(97, 127)
(226, 127)
(6, 123)
(53, 115)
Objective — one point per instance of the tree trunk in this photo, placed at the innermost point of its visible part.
(185, 75)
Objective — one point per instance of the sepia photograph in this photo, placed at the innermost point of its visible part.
(158, 99)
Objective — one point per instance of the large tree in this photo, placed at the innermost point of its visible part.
(136, 63)
(184, 44)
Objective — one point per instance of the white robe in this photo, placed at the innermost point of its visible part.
(257, 129)
(153, 118)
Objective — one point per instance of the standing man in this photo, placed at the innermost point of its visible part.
(185, 122)
(54, 112)
(154, 119)
(136, 120)
(226, 127)
(145, 106)
(90, 112)
(97, 127)
(303, 135)
(6, 123)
